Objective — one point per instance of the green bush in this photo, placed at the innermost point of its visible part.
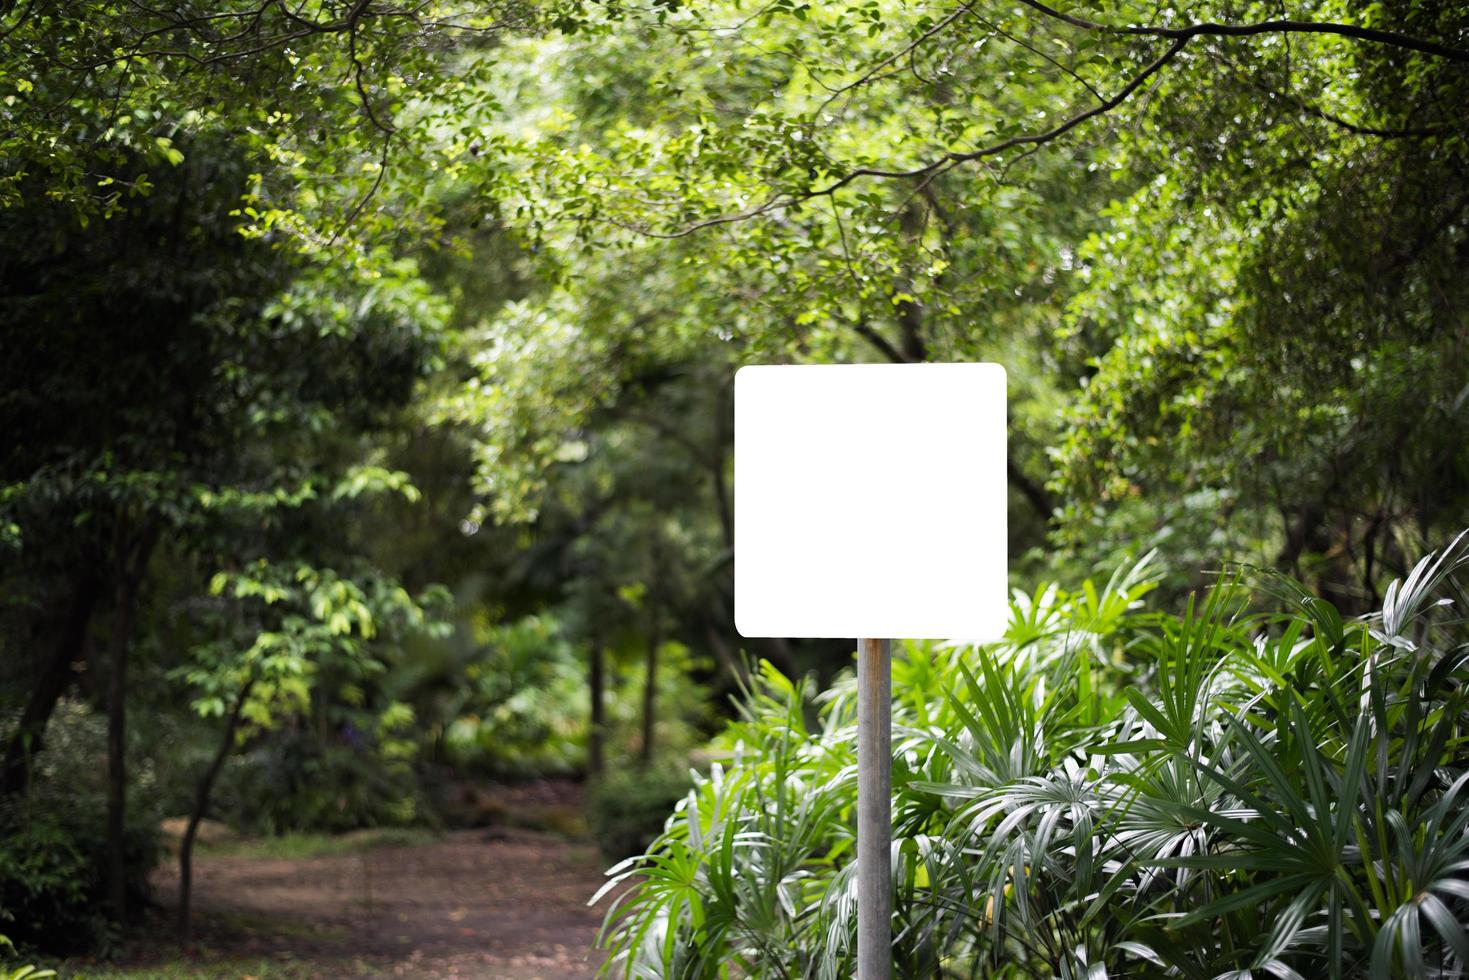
(626, 809)
(1109, 792)
(523, 708)
(298, 782)
(53, 842)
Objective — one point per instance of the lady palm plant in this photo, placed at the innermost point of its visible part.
(1109, 792)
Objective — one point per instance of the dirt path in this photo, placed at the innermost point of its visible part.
(503, 904)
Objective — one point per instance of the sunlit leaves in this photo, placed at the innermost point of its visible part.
(291, 621)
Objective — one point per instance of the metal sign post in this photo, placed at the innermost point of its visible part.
(874, 809)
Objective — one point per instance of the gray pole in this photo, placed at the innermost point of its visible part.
(874, 810)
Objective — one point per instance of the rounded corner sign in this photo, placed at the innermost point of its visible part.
(870, 501)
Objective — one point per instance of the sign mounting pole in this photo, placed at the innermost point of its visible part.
(874, 810)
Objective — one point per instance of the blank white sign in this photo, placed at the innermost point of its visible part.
(870, 501)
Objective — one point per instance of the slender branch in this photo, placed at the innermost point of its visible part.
(1027, 139)
(896, 56)
(25, 15)
(357, 81)
(377, 182)
(202, 790)
(1042, 54)
(1389, 38)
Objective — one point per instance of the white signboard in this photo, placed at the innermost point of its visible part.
(870, 501)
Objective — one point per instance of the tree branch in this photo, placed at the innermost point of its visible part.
(882, 344)
(1389, 38)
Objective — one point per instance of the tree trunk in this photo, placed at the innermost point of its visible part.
(1034, 491)
(719, 453)
(723, 653)
(117, 750)
(202, 793)
(56, 676)
(596, 731)
(131, 566)
(650, 693)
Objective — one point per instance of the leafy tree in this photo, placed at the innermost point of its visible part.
(301, 627)
(176, 385)
(1276, 315)
(112, 416)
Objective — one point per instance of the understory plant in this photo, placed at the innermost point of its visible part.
(1253, 787)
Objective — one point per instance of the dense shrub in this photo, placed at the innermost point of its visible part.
(53, 842)
(1107, 792)
(626, 808)
(295, 781)
(522, 708)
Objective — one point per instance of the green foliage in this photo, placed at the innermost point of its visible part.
(683, 710)
(301, 644)
(53, 844)
(523, 710)
(48, 882)
(1108, 791)
(321, 96)
(28, 972)
(1205, 352)
(298, 782)
(522, 707)
(626, 808)
(1204, 420)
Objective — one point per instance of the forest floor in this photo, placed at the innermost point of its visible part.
(501, 903)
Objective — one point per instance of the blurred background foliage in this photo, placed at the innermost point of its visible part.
(366, 376)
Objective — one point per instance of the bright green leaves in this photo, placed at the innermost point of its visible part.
(170, 152)
(292, 622)
(375, 480)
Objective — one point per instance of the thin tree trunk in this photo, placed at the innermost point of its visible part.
(722, 652)
(1034, 491)
(56, 676)
(202, 792)
(117, 750)
(131, 567)
(719, 453)
(597, 685)
(650, 692)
